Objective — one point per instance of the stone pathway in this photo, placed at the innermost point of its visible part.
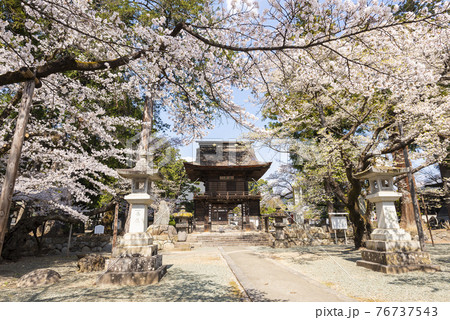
(266, 280)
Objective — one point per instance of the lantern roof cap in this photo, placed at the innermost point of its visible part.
(278, 213)
(379, 171)
(141, 170)
(183, 213)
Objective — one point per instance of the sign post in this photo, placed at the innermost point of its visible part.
(338, 221)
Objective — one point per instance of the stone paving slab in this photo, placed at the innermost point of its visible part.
(265, 280)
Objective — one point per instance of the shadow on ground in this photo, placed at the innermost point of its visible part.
(17, 269)
(259, 296)
(177, 285)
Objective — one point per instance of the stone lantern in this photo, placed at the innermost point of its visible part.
(381, 192)
(390, 249)
(135, 259)
(279, 216)
(136, 240)
(183, 223)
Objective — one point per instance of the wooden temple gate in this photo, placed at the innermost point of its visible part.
(226, 183)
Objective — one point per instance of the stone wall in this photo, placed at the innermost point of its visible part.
(314, 236)
(79, 244)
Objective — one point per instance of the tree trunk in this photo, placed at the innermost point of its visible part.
(444, 168)
(354, 213)
(412, 189)
(407, 220)
(127, 220)
(329, 192)
(147, 126)
(116, 218)
(14, 157)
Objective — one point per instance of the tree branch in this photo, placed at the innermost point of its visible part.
(108, 207)
(68, 63)
(417, 169)
(337, 189)
(365, 155)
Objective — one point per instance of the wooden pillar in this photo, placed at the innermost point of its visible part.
(242, 216)
(14, 157)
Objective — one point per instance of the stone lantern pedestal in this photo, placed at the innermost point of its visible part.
(136, 240)
(135, 259)
(390, 249)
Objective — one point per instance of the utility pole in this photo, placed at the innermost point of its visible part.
(413, 193)
(14, 157)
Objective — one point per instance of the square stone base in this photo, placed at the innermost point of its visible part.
(182, 236)
(393, 246)
(131, 264)
(135, 243)
(135, 239)
(139, 278)
(148, 250)
(391, 269)
(390, 235)
(397, 258)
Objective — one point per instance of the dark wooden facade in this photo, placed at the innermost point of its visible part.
(225, 169)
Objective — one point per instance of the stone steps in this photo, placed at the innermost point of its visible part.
(230, 239)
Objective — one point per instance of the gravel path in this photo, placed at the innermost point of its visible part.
(200, 275)
(203, 275)
(335, 267)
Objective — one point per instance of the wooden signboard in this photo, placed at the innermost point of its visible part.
(338, 222)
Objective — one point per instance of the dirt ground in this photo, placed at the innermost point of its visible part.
(439, 235)
(199, 275)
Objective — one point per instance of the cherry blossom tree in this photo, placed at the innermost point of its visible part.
(350, 108)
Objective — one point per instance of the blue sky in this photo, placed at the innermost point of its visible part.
(227, 129)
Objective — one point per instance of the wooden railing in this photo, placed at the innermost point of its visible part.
(227, 194)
